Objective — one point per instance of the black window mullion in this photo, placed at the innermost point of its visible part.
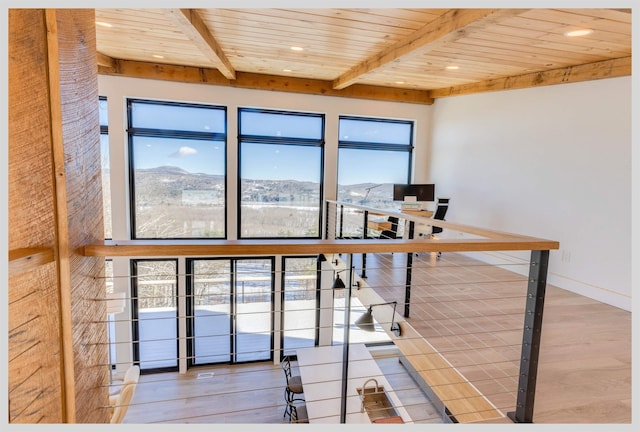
(168, 133)
(375, 146)
(260, 139)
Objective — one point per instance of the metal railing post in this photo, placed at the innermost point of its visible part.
(345, 347)
(365, 236)
(407, 286)
(531, 335)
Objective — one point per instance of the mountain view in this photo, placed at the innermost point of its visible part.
(174, 203)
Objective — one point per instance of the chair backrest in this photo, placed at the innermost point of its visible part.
(131, 378)
(286, 367)
(393, 232)
(441, 211)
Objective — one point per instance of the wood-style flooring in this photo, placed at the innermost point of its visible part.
(472, 313)
(250, 394)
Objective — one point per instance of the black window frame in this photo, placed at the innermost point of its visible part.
(104, 130)
(135, 316)
(177, 134)
(318, 291)
(261, 139)
(190, 308)
(376, 146)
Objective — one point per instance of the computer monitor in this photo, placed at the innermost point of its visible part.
(422, 192)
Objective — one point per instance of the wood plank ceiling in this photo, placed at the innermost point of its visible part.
(411, 55)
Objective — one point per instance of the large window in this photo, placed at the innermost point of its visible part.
(373, 154)
(280, 173)
(177, 155)
(105, 164)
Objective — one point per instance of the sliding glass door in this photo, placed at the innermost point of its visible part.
(230, 319)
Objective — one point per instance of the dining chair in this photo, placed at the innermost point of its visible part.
(293, 387)
(119, 403)
(298, 414)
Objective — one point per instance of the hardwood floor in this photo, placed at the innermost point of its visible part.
(471, 313)
(250, 393)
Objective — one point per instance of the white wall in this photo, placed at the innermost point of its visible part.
(551, 162)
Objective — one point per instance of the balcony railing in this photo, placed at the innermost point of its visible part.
(347, 243)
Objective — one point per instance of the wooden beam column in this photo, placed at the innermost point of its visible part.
(57, 344)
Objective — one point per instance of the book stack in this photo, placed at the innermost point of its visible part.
(410, 205)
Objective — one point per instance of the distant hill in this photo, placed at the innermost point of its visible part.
(167, 185)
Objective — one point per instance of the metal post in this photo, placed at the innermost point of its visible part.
(407, 286)
(531, 337)
(326, 220)
(345, 346)
(365, 236)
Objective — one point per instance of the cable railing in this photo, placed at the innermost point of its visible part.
(457, 313)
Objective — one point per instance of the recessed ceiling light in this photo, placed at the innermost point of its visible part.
(452, 67)
(157, 56)
(399, 82)
(286, 70)
(297, 48)
(103, 24)
(581, 32)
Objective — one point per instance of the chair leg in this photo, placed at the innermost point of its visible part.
(289, 398)
(286, 400)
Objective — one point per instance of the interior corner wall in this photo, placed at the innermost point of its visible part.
(551, 162)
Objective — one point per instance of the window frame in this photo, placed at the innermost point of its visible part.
(376, 146)
(133, 132)
(275, 140)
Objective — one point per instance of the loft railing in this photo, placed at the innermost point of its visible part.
(340, 218)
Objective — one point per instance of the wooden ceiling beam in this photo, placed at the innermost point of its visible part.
(192, 25)
(189, 74)
(106, 61)
(450, 26)
(591, 71)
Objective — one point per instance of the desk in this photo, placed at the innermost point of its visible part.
(423, 213)
(379, 225)
(321, 372)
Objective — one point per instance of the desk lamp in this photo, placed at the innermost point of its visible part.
(365, 322)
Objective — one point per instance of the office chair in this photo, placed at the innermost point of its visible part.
(390, 233)
(439, 214)
(120, 402)
(293, 388)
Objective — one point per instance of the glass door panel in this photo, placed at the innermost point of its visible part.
(230, 310)
(253, 299)
(155, 314)
(211, 311)
(299, 304)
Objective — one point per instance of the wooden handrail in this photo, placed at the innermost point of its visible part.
(25, 259)
(312, 247)
(488, 240)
